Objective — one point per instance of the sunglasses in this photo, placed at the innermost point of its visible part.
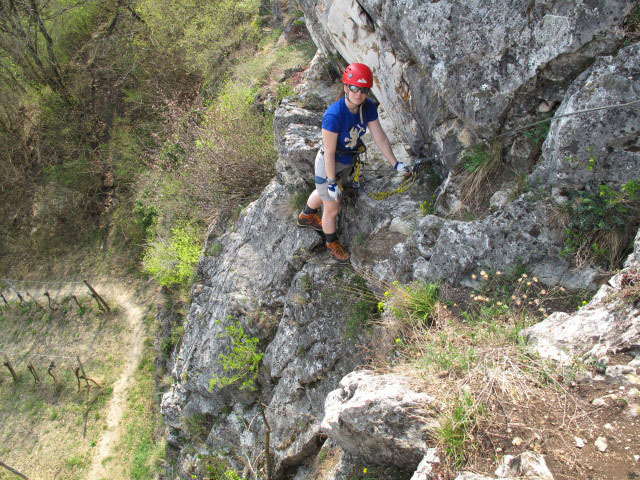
(354, 89)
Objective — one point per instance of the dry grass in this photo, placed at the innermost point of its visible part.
(478, 166)
(629, 288)
(465, 350)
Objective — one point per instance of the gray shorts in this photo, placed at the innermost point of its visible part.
(343, 172)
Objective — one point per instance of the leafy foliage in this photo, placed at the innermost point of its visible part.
(172, 262)
(540, 132)
(234, 157)
(602, 223)
(241, 360)
(205, 34)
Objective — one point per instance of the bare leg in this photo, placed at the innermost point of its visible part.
(329, 213)
(314, 200)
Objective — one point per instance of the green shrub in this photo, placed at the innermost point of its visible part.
(203, 34)
(298, 200)
(241, 361)
(217, 468)
(359, 314)
(474, 158)
(540, 132)
(415, 303)
(234, 156)
(443, 353)
(172, 262)
(283, 90)
(478, 166)
(602, 222)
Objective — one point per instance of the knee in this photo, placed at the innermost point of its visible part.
(331, 208)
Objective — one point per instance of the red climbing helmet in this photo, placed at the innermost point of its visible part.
(358, 74)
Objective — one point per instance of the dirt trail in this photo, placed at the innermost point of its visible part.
(117, 404)
(133, 312)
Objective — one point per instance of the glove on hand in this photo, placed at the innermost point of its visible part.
(334, 190)
(401, 168)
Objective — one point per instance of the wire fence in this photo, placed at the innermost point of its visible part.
(513, 131)
(13, 360)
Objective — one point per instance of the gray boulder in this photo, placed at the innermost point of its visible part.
(380, 419)
(453, 250)
(604, 145)
(607, 324)
(526, 466)
(426, 466)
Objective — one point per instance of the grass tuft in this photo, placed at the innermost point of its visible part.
(479, 164)
(457, 428)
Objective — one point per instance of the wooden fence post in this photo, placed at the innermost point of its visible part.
(7, 364)
(77, 372)
(52, 365)
(98, 302)
(14, 471)
(36, 378)
(84, 375)
(77, 302)
(98, 298)
(35, 301)
(15, 291)
(46, 294)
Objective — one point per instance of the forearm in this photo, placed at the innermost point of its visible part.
(382, 141)
(330, 164)
(385, 148)
(330, 143)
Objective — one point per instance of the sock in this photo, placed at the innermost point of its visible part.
(331, 237)
(309, 210)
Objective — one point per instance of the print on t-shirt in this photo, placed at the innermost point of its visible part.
(351, 141)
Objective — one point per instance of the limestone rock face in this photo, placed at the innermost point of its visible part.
(311, 351)
(298, 137)
(604, 145)
(446, 74)
(452, 250)
(447, 70)
(380, 419)
(262, 279)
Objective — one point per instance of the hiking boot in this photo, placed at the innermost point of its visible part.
(337, 251)
(310, 220)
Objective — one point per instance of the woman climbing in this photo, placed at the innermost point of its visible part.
(343, 125)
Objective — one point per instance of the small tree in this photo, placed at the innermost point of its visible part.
(172, 262)
(241, 361)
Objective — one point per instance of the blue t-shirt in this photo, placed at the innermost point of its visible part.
(347, 125)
